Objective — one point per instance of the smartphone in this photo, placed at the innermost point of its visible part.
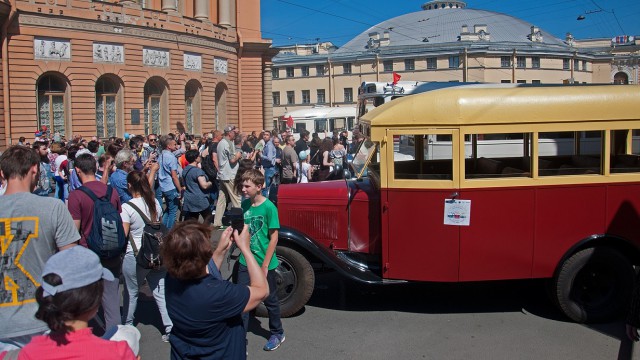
(235, 218)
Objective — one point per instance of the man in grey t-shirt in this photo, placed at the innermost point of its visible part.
(228, 159)
(32, 229)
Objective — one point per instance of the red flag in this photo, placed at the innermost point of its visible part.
(396, 77)
(289, 121)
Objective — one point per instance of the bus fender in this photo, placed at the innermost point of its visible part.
(289, 237)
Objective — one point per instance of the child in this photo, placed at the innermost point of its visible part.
(262, 217)
(68, 298)
(303, 168)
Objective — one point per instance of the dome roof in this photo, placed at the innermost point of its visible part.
(457, 25)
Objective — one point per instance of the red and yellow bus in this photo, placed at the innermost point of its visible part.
(562, 203)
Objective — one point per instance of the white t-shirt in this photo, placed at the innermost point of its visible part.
(136, 224)
(59, 160)
(305, 171)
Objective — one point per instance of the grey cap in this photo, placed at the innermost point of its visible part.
(229, 129)
(77, 267)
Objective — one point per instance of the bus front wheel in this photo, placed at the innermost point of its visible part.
(594, 285)
(295, 280)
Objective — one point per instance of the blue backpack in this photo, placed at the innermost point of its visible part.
(107, 234)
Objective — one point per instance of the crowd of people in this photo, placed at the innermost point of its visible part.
(152, 179)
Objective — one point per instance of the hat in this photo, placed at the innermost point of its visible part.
(77, 267)
(229, 129)
(303, 155)
(127, 333)
(83, 151)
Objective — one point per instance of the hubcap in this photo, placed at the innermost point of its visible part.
(286, 279)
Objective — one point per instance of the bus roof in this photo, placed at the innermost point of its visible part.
(321, 112)
(500, 104)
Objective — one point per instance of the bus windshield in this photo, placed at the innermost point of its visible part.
(365, 159)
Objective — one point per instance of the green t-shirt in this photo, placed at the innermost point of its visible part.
(260, 219)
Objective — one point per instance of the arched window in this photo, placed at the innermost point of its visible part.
(51, 103)
(621, 78)
(106, 107)
(192, 107)
(154, 106)
(221, 106)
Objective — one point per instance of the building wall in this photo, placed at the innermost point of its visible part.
(128, 24)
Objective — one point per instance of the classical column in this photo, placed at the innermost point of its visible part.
(224, 12)
(267, 96)
(202, 9)
(169, 5)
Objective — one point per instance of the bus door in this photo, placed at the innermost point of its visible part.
(417, 244)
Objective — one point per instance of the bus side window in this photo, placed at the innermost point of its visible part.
(415, 157)
(570, 153)
(497, 155)
(321, 125)
(625, 158)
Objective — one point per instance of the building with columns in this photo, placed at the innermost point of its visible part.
(446, 41)
(132, 66)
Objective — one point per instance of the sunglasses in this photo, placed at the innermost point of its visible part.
(150, 140)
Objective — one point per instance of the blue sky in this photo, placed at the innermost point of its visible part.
(302, 21)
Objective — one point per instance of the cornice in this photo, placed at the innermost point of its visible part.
(126, 30)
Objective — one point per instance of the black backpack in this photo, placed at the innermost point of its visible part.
(208, 166)
(148, 256)
(107, 237)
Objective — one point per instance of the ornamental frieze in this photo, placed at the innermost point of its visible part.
(51, 49)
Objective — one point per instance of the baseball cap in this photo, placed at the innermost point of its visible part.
(303, 155)
(229, 128)
(77, 267)
(127, 333)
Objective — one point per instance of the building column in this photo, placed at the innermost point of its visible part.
(267, 98)
(224, 12)
(202, 9)
(169, 5)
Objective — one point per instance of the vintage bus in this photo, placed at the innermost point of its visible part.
(320, 119)
(570, 216)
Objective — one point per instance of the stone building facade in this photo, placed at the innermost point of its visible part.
(131, 66)
(446, 41)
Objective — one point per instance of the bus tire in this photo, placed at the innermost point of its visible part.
(594, 285)
(295, 281)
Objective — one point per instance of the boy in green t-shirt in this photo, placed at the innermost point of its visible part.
(262, 217)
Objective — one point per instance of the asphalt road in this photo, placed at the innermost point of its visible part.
(497, 320)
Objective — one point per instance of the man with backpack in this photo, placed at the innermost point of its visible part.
(95, 209)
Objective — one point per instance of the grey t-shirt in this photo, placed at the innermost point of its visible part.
(195, 200)
(226, 152)
(32, 227)
(289, 159)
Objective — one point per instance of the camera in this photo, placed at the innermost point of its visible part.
(234, 218)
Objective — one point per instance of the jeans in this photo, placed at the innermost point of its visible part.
(268, 175)
(272, 302)
(133, 276)
(111, 303)
(172, 201)
(62, 189)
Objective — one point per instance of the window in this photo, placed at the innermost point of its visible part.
(535, 62)
(565, 64)
(192, 107)
(348, 95)
(51, 105)
(505, 61)
(576, 64)
(153, 114)
(306, 97)
(291, 98)
(521, 81)
(498, 155)
(321, 125)
(570, 153)
(319, 70)
(321, 97)
(276, 98)
(337, 124)
(346, 68)
(432, 63)
(623, 158)
(275, 73)
(536, 82)
(305, 71)
(388, 65)
(584, 65)
(505, 81)
(454, 62)
(409, 64)
(521, 61)
(289, 71)
(407, 161)
(106, 108)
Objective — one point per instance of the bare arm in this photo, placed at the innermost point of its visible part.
(325, 159)
(258, 287)
(176, 181)
(223, 246)
(204, 184)
(153, 170)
